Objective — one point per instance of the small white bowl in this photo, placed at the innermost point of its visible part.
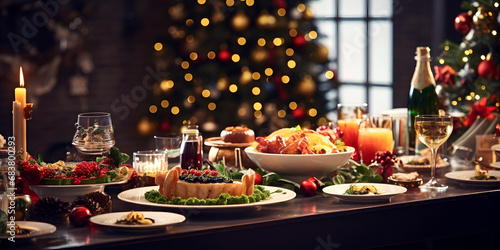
(297, 167)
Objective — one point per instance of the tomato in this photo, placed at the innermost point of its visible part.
(258, 179)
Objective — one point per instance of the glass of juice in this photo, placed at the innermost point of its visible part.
(349, 117)
(375, 134)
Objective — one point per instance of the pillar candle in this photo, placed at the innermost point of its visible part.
(19, 119)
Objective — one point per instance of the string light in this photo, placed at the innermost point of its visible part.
(285, 79)
(153, 109)
(212, 106)
(189, 22)
(242, 41)
(261, 42)
(164, 104)
(446, 47)
(205, 93)
(191, 99)
(233, 88)
(175, 110)
(202, 2)
(242, 112)
(158, 46)
(494, 32)
(454, 103)
(188, 77)
(322, 121)
(289, 52)
(256, 90)
(250, 2)
(281, 12)
(185, 64)
(465, 59)
(278, 41)
(301, 7)
(257, 114)
(313, 112)
(441, 61)
(211, 55)
(235, 58)
(495, 4)
(329, 74)
(483, 87)
(268, 72)
(293, 32)
(483, 57)
(193, 56)
(257, 106)
(229, 3)
(205, 22)
(281, 113)
(256, 76)
(466, 52)
(291, 64)
(313, 34)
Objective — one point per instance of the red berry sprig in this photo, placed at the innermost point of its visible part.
(387, 160)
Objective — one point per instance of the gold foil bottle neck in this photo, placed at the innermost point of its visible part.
(423, 52)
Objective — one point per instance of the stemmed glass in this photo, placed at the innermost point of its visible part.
(94, 133)
(433, 131)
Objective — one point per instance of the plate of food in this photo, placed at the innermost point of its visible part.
(144, 221)
(477, 177)
(364, 192)
(297, 154)
(29, 229)
(138, 196)
(421, 162)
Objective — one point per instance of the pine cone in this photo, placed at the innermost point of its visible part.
(97, 202)
(50, 209)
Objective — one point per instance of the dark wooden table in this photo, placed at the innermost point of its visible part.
(463, 217)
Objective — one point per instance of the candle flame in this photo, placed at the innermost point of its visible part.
(21, 78)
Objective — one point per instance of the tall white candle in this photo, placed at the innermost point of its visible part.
(19, 119)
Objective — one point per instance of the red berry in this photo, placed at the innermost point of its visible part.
(258, 179)
(308, 188)
(184, 171)
(214, 173)
(198, 173)
(206, 172)
(77, 181)
(191, 171)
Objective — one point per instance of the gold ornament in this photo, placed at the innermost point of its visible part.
(308, 14)
(306, 86)
(240, 21)
(483, 20)
(266, 21)
(321, 54)
(259, 55)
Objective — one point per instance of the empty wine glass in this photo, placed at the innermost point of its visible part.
(433, 131)
(94, 133)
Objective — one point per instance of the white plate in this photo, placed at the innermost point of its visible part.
(161, 221)
(408, 158)
(36, 229)
(495, 165)
(387, 191)
(70, 192)
(464, 178)
(136, 196)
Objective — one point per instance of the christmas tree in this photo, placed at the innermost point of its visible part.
(469, 71)
(255, 63)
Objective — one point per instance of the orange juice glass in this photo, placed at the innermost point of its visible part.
(375, 134)
(351, 129)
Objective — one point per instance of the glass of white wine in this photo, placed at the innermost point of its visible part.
(433, 131)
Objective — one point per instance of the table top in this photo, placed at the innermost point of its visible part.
(319, 221)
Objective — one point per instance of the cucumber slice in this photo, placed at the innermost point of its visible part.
(67, 181)
(104, 179)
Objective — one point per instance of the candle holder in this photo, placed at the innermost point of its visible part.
(150, 162)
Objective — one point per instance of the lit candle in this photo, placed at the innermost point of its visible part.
(19, 118)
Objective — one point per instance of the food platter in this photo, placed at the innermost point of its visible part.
(136, 196)
(464, 177)
(161, 221)
(36, 229)
(387, 191)
(409, 158)
(70, 192)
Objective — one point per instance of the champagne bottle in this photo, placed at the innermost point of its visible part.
(423, 99)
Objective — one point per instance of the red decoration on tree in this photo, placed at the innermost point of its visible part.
(79, 216)
(224, 55)
(480, 109)
(299, 41)
(281, 4)
(445, 75)
(464, 23)
(488, 69)
(299, 113)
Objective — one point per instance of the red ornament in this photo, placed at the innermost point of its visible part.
(445, 75)
(299, 113)
(299, 41)
(488, 69)
(464, 23)
(480, 109)
(79, 216)
(224, 55)
(308, 188)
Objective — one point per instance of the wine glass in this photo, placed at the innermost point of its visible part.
(94, 134)
(433, 131)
